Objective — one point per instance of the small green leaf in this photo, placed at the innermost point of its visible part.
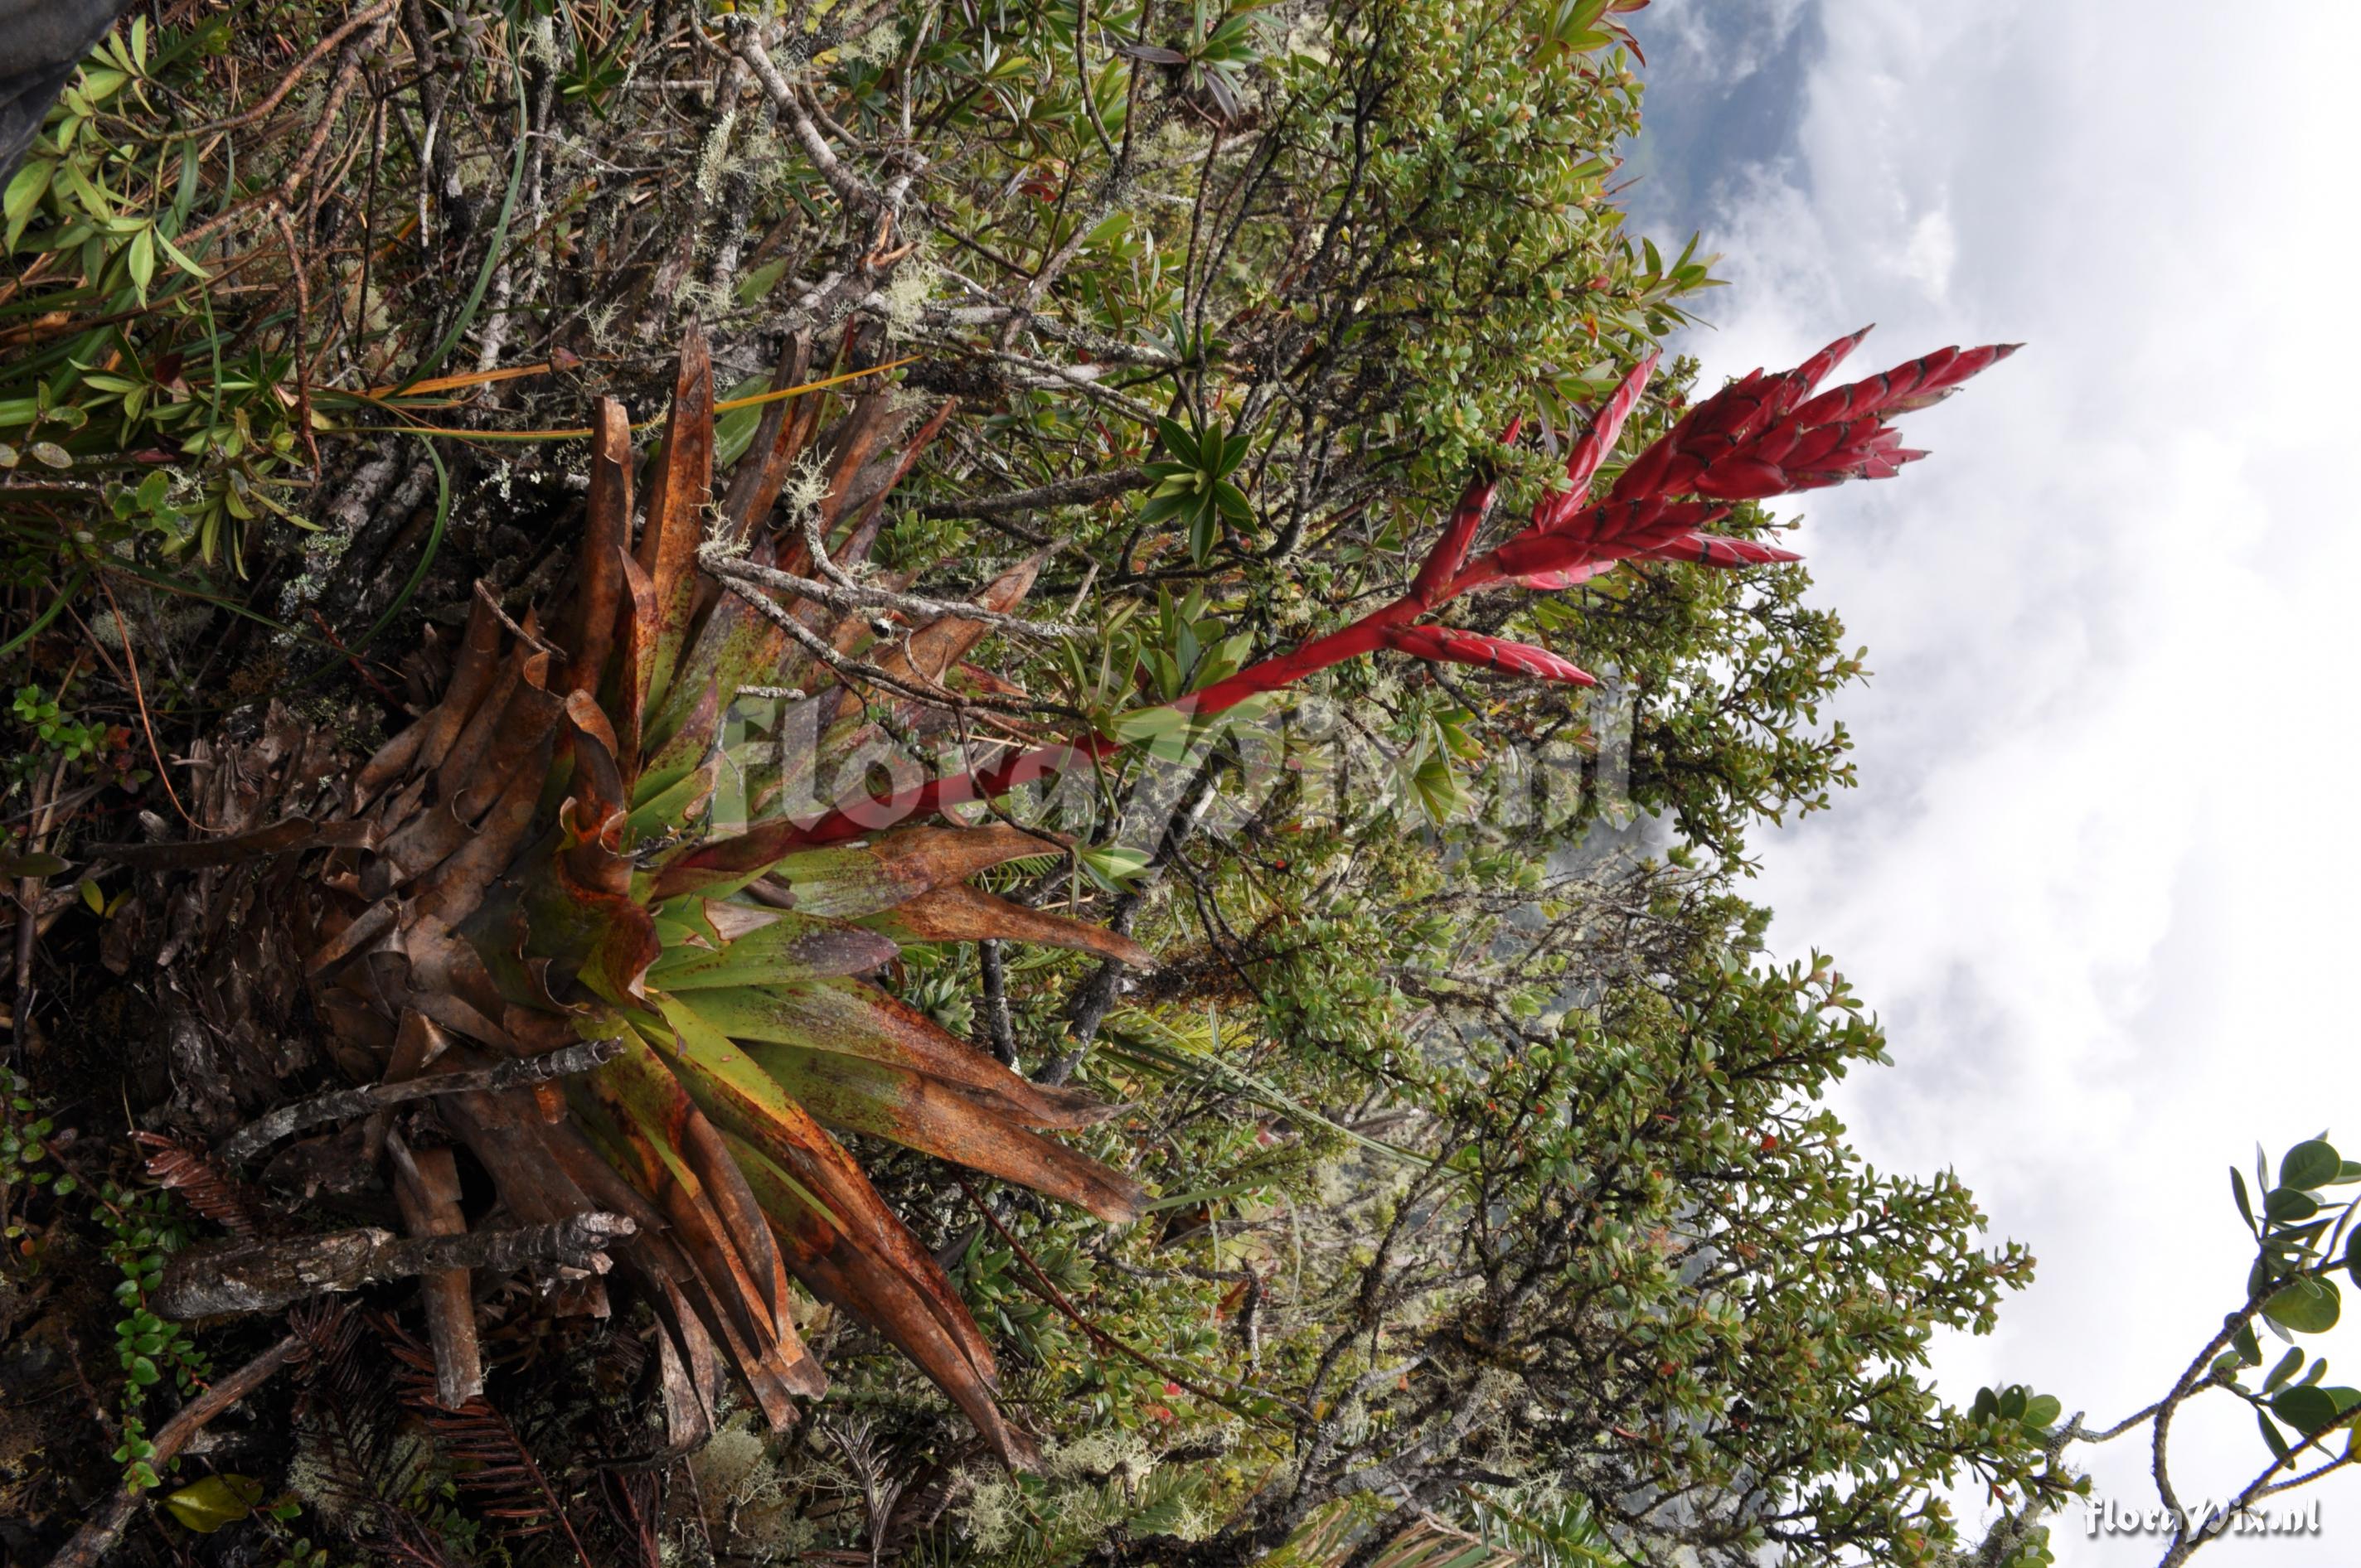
(139, 257)
(760, 281)
(2305, 1306)
(2284, 1370)
(180, 260)
(25, 192)
(2043, 1410)
(1150, 725)
(2238, 1191)
(1179, 442)
(1112, 866)
(1231, 502)
(2310, 1164)
(2271, 1435)
(2289, 1205)
(205, 1505)
(2308, 1409)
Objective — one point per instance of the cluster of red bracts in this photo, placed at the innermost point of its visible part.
(1763, 436)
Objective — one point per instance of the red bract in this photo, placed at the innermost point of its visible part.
(1764, 434)
(1582, 461)
(1448, 645)
(1459, 530)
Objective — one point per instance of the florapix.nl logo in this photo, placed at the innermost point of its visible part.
(2207, 1521)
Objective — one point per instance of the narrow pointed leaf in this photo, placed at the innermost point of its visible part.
(848, 1017)
(963, 913)
(676, 501)
(785, 947)
(936, 1117)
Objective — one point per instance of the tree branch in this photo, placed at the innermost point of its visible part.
(262, 1276)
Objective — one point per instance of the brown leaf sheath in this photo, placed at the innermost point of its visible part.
(630, 702)
(533, 710)
(743, 1101)
(936, 1117)
(717, 1220)
(727, 1187)
(453, 890)
(675, 526)
(426, 1186)
(754, 487)
(958, 913)
(293, 835)
(468, 748)
(874, 418)
(390, 761)
(599, 596)
(472, 671)
(718, 1288)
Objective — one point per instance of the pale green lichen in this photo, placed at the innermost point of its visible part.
(879, 46)
(713, 158)
(905, 294)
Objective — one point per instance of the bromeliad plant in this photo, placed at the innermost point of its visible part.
(536, 864)
(513, 875)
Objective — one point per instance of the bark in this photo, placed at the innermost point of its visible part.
(262, 1276)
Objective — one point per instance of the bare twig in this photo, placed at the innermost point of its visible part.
(262, 1276)
(492, 603)
(1041, 498)
(1000, 1029)
(253, 1138)
(146, 722)
(28, 902)
(844, 593)
(855, 190)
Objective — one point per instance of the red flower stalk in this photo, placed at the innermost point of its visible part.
(1763, 436)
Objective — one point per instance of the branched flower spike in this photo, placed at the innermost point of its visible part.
(1763, 436)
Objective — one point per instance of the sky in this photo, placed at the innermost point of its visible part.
(2094, 879)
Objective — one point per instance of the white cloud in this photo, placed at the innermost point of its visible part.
(2095, 877)
(1713, 42)
(1927, 255)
